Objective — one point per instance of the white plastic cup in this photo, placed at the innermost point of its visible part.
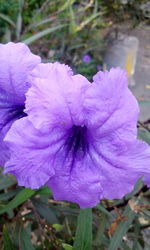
(123, 53)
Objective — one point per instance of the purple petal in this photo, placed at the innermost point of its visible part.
(121, 164)
(41, 158)
(80, 138)
(46, 70)
(31, 162)
(110, 105)
(80, 183)
(86, 58)
(16, 62)
(59, 98)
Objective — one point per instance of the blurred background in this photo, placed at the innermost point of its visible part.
(89, 35)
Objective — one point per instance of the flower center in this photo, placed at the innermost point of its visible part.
(77, 141)
(17, 112)
(13, 113)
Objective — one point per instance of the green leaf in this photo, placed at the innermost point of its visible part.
(41, 22)
(100, 237)
(83, 237)
(136, 233)
(58, 227)
(144, 135)
(45, 211)
(72, 26)
(144, 102)
(25, 239)
(124, 246)
(19, 19)
(137, 187)
(87, 21)
(21, 197)
(7, 19)
(6, 240)
(122, 229)
(67, 246)
(6, 181)
(7, 35)
(104, 210)
(19, 26)
(43, 33)
(8, 195)
(44, 191)
(66, 5)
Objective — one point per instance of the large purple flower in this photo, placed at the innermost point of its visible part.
(16, 62)
(78, 137)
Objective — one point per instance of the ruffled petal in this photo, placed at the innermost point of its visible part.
(110, 105)
(45, 70)
(32, 153)
(38, 158)
(79, 138)
(16, 62)
(121, 165)
(4, 150)
(56, 101)
(76, 180)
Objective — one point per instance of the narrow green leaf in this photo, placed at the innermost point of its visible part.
(122, 229)
(7, 35)
(45, 190)
(83, 237)
(87, 21)
(100, 238)
(45, 211)
(8, 195)
(21, 197)
(58, 227)
(124, 246)
(6, 240)
(147, 246)
(7, 19)
(19, 19)
(104, 210)
(96, 5)
(19, 25)
(66, 5)
(144, 102)
(6, 181)
(67, 246)
(43, 33)
(137, 187)
(41, 22)
(144, 135)
(136, 233)
(72, 26)
(21, 4)
(25, 239)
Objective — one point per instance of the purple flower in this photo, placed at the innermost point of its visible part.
(16, 62)
(86, 58)
(99, 67)
(78, 137)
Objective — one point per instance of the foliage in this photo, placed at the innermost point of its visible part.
(126, 9)
(68, 29)
(33, 220)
